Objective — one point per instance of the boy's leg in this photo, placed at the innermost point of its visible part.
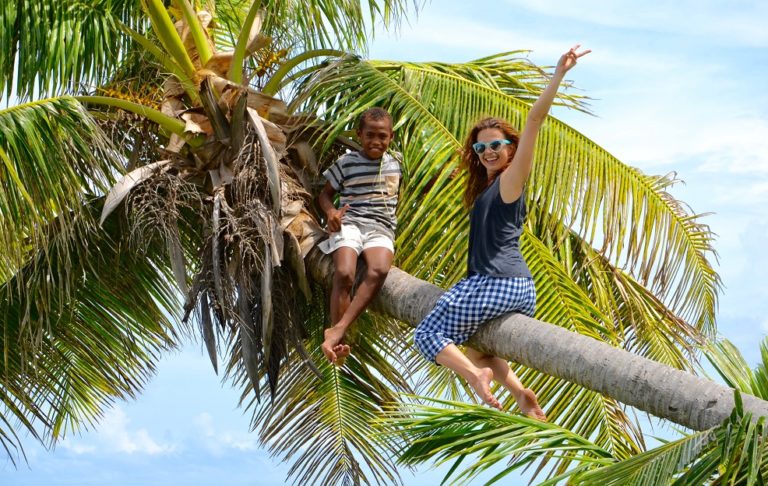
(378, 261)
(345, 266)
(504, 375)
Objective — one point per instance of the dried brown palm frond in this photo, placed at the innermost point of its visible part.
(237, 221)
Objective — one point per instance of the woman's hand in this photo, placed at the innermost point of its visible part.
(568, 60)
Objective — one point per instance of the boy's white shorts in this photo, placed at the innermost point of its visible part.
(359, 238)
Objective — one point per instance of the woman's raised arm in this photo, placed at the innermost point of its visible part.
(514, 177)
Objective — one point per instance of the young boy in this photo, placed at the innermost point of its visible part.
(367, 182)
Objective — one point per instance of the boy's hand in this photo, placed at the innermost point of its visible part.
(334, 218)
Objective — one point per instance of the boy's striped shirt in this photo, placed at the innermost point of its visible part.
(370, 187)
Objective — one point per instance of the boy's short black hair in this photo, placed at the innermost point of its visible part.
(375, 113)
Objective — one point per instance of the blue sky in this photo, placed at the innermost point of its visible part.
(677, 86)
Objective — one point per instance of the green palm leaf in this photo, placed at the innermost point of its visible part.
(638, 320)
(730, 364)
(452, 432)
(301, 26)
(84, 322)
(52, 153)
(733, 453)
(325, 425)
(56, 47)
(330, 24)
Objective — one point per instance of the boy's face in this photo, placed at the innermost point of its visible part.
(376, 135)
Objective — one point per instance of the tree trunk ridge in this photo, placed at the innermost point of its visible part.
(663, 391)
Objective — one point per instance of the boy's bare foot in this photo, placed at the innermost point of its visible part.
(342, 351)
(529, 405)
(482, 386)
(332, 347)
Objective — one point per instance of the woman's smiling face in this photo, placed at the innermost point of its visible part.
(494, 161)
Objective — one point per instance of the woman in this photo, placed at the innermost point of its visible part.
(498, 281)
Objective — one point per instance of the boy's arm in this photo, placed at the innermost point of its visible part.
(332, 215)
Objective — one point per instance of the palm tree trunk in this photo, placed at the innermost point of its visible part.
(663, 391)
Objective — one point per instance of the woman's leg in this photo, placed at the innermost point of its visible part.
(479, 378)
(434, 338)
(504, 375)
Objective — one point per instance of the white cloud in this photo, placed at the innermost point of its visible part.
(114, 435)
(474, 36)
(478, 39)
(658, 128)
(741, 23)
(739, 146)
(219, 441)
(743, 193)
(77, 448)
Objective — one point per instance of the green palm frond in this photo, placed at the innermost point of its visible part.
(637, 318)
(84, 321)
(330, 24)
(477, 438)
(657, 466)
(325, 424)
(52, 153)
(299, 26)
(730, 364)
(733, 453)
(559, 299)
(575, 184)
(601, 419)
(760, 389)
(56, 47)
(514, 75)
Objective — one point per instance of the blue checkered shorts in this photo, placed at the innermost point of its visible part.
(467, 305)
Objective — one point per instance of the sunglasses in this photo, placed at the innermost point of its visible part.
(495, 146)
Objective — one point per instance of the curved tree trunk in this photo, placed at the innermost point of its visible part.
(661, 390)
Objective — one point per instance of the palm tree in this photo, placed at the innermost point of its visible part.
(158, 178)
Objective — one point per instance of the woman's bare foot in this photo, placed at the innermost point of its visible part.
(529, 405)
(482, 386)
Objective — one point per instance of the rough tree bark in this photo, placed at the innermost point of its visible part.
(663, 391)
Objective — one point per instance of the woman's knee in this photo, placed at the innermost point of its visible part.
(424, 334)
(429, 343)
